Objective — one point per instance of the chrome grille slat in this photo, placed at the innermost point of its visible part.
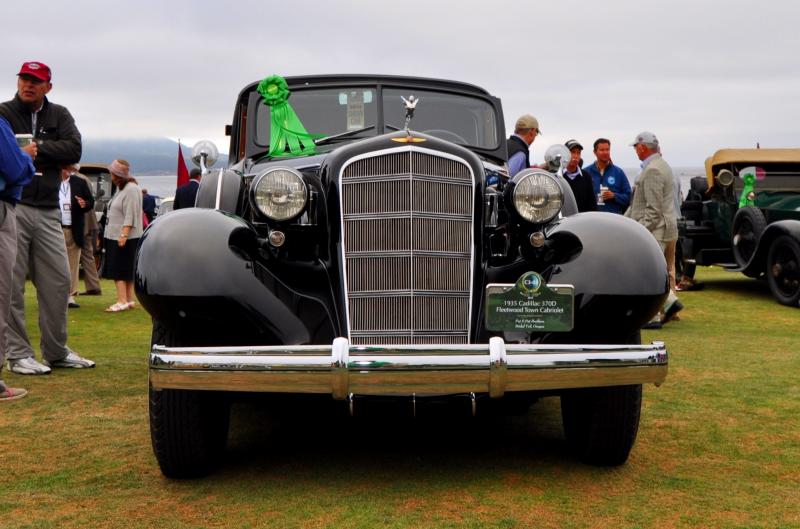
(428, 198)
(395, 272)
(384, 197)
(407, 223)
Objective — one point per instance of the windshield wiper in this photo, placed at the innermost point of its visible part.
(327, 139)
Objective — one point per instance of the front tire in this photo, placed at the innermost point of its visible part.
(783, 270)
(748, 225)
(600, 424)
(188, 429)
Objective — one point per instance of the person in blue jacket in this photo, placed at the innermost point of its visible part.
(16, 170)
(617, 197)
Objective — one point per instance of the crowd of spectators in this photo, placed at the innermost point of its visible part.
(654, 201)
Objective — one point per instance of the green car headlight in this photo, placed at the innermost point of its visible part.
(280, 193)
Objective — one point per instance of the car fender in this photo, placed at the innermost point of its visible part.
(616, 267)
(619, 256)
(195, 269)
(758, 262)
(220, 189)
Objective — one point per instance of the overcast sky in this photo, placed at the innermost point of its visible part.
(700, 74)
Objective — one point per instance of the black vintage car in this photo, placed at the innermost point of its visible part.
(382, 253)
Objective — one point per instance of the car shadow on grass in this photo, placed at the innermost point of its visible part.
(443, 439)
(740, 285)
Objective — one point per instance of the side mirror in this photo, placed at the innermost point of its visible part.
(204, 155)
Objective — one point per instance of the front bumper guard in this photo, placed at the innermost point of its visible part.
(342, 369)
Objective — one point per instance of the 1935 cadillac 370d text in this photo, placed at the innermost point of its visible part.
(365, 244)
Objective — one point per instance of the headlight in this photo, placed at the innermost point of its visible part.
(725, 177)
(280, 193)
(537, 197)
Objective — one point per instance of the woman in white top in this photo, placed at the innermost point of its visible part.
(122, 233)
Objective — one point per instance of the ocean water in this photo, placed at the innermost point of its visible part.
(160, 186)
(164, 186)
(685, 174)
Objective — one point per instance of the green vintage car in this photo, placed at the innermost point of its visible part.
(745, 217)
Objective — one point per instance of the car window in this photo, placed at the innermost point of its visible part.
(452, 117)
(326, 112)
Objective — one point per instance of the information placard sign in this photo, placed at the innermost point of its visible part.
(530, 305)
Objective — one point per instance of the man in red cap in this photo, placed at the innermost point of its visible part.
(41, 252)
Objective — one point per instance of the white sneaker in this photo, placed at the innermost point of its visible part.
(27, 366)
(71, 360)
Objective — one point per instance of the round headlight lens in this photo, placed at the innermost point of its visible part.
(280, 194)
(725, 177)
(538, 197)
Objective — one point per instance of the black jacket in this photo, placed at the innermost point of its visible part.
(584, 192)
(185, 195)
(59, 144)
(514, 145)
(149, 206)
(79, 187)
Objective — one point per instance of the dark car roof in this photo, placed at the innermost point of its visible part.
(93, 168)
(386, 79)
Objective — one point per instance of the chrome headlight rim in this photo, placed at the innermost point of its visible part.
(526, 185)
(725, 178)
(278, 215)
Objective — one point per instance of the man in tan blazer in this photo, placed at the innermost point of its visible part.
(653, 206)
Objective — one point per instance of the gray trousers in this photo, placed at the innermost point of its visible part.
(42, 255)
(8, 255)
(90, 277)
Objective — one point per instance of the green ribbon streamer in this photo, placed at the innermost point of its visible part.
(287, 135)
(749, 187)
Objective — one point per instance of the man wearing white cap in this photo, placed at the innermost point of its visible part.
(653, 206)
(525, 131)
(41, 251)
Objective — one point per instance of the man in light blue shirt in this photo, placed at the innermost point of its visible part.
(518, 145)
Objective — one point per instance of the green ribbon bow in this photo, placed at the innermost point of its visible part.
(287, 135)
(749, 187)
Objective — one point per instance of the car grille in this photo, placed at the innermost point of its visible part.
(408, 249)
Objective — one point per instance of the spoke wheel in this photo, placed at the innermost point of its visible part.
(748, 225)
(783, 270)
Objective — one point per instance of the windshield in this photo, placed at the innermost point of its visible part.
(456, 118)
(330, 111)
(326, 112)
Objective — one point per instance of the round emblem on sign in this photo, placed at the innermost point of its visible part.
(530, 282)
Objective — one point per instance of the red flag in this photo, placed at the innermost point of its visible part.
(183, 173)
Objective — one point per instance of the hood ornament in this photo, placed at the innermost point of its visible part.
(411, 105)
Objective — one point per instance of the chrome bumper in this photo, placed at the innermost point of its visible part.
(342, 369)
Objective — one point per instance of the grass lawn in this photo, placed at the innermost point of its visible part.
(718, 445)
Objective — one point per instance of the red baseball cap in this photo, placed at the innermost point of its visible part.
(36, 69)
